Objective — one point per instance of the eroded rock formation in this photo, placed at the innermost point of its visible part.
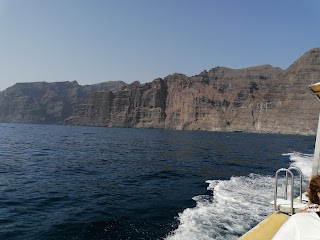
(254, 99)
(42, 102)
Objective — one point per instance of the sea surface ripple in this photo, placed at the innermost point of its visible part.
(68, 182)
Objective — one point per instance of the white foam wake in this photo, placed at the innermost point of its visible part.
(301, 161)
(234, 206)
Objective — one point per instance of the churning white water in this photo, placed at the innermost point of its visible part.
(235, 205)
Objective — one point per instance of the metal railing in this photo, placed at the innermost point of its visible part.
(288, 172)
(300, 177)
(276, 188)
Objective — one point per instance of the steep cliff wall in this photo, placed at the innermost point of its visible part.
(255, 99)
(43, 102)
(134, 105)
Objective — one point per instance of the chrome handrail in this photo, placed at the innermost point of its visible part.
(300, 176)
(276, 188)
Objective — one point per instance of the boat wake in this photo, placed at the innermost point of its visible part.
(301, 161)
(235, 206)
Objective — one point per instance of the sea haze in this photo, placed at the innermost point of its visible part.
(68, 182)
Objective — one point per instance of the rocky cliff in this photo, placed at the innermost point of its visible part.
(254, 99)
(43, 102)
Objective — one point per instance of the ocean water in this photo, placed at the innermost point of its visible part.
(68, 182)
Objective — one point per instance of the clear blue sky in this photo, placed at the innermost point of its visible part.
(95, 41)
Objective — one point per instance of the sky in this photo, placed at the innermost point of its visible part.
(95, 41)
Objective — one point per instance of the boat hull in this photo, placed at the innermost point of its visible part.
(266, 229)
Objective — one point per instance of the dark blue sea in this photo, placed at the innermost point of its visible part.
(69, 182)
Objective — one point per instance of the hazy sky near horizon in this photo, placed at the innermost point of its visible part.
(94, 41)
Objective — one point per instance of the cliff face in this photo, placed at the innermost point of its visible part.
(133, 105)
(255, 99)
(42, 102)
